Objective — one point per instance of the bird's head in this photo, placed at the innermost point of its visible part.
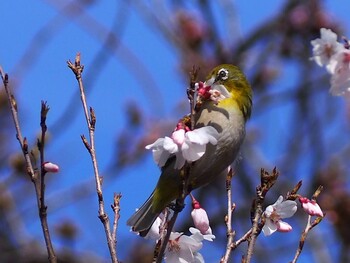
(229, 78)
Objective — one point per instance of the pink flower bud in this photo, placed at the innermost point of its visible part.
(283, 227)
(51, 167)
(178, 136)
(310, 207)
(200, 217)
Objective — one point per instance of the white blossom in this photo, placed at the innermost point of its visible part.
(200, 217)
(182, 249)
(274, 213)
(187, 146)
(340, 66)
(325, 48)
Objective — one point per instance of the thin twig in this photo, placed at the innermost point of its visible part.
(228, 219)
(116, 210)
(77, 69)
(162, 233)
(165, 240)
(310, 225)
(38, 182)
(267, 181)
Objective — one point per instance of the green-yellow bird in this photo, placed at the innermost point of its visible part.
(228, 116)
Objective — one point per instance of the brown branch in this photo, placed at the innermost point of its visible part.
(309, 225)
(228, 219)
(267, 181)
(38, 182)
(116, 210)
(77, 69)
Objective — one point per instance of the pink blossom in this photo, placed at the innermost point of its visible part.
(340, 66)
(311, 207)
(325, 48)
(283, 226)
(51, 167)
(186, 145)
(274, 213)
(211, 91)
(200, 218)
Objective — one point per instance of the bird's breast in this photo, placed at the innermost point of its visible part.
(230, 124)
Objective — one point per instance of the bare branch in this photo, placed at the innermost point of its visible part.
(39, 183)
(228, 219)
(116, 210)
(309, 225)
(267, 181)
(77, 69)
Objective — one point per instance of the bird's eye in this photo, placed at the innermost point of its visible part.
(223, 74)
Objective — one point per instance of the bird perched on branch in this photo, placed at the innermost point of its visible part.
(223, 105)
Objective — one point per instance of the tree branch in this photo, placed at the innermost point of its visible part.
(39, 184)
(77, 69)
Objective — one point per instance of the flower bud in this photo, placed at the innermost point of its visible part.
(200, 218)
(310, 207)
(51, 167)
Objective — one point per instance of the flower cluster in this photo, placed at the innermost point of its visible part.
(185, 144)
(216, 94)
(183, 248)
(328, 52)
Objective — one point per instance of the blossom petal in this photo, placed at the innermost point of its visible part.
(286, 209)
(154, 232)
(283, 226)
(200, 219)
(203, 135)
(180, 161)
(197, 235)
(269, 228)
(170, 145)
(178, 136)
(192, 152)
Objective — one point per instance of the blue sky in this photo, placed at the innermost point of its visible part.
(47, 78)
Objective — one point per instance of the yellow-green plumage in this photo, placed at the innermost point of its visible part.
(228, 117)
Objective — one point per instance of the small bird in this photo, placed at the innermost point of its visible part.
(228, 116)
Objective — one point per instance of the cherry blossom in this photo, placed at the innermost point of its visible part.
(186, 145)
(182, 249)
(336, 57)
(154, 232)
(325, 48)
(211, 91)
(340, 65)
(200, 217)
(274, 213)
(51, 167)
(310, 207)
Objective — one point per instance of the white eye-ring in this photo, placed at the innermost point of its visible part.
(223, 74)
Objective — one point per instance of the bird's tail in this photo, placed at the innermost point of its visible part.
(142, 220)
